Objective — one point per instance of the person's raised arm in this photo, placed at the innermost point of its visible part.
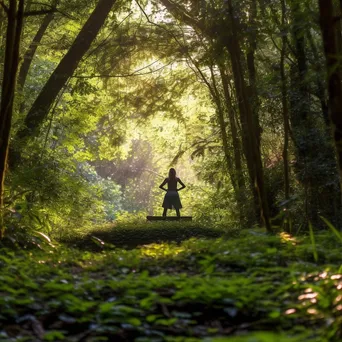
(161, 186)
(182, 185)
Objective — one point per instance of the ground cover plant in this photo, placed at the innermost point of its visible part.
(239, 287)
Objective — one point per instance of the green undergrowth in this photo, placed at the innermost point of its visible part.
(250, 287)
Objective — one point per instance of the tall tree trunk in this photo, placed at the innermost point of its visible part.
(332, 53)
(40, 108)
(252, 74)
(252, 89)
(240, 180)
(221, 120)
(321, 94)
(312, 145)
(234, 131)
(284, 96)
(284, 100)
(30, 52)
(13, 36)
(301, 122)
(252, 149)
(221, 111)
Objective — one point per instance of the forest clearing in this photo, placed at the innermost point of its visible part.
(113, 113)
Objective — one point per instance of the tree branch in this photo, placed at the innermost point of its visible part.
(52, 9)
(134, 73)
(182, 14)
(39, 12)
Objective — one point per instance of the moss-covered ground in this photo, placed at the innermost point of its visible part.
(195, 286)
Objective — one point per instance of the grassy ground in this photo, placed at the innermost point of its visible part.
(247, 287)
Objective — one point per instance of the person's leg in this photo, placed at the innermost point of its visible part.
(164, 212)
(178, 212)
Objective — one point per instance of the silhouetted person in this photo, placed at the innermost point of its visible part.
(171, 198)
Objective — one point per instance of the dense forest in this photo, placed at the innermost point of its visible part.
(99, 99)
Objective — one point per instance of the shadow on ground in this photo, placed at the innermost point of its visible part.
(134, 235)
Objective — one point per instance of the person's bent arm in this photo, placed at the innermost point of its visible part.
(161, 186)
(182, 185)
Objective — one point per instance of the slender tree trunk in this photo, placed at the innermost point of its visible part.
(312, 145)
(284, 100)
(30, 52)
(240, 180)
(333, 53)
(319, 83)
(40, 108)
(301, 122)
(252, 87)
(252, 74)
(220, 111)
(13, 36)
(234, 131)
(221, 119)
(252, 150)
(228, 158)
(284, 95)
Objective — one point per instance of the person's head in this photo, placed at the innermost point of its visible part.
(172, 173)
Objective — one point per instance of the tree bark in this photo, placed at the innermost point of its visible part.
(332, 52)
(40, 108)
(13, 36)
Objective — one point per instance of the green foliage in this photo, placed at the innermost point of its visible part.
(53, 196)
(147, 95)
(228, 289)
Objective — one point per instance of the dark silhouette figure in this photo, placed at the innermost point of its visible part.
(171, 198)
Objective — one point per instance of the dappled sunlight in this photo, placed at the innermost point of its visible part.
(286, 237)
(290, 311)
(321, 295)
(161, 250)
(312, 311)
(309, 295)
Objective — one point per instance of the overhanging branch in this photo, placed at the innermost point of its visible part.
(40, 12)
(134, 73)
(51, 9)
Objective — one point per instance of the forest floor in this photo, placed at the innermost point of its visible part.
(243, 286)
